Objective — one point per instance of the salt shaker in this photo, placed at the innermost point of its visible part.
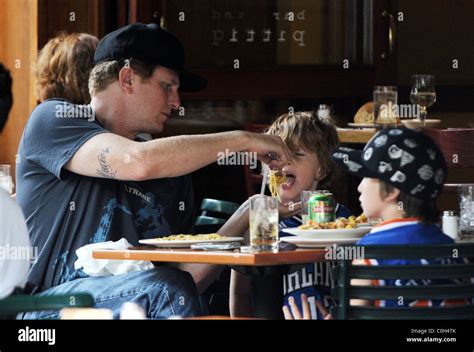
(450, 224)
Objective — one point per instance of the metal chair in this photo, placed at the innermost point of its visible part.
(214, 213)
(343, 292)
(222, 207)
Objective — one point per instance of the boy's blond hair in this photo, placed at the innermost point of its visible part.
(312, 133)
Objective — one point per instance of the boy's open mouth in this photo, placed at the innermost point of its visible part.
(290, 180)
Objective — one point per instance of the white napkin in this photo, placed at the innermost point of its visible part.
(107, 267)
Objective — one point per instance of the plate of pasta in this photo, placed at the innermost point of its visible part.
(352, 227)
(185, 241)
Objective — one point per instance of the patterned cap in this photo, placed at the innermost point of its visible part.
(407, 159)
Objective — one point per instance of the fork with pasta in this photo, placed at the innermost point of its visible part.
(276, 179)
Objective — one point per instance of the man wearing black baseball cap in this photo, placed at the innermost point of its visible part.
(83, 178)
(151, 45)
(403, 173)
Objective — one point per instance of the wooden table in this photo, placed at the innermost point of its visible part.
(351, 135)
(298, 256)
(267, 268)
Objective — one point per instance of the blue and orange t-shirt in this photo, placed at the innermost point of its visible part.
(409, 231)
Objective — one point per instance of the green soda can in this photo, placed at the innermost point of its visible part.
(321, 207)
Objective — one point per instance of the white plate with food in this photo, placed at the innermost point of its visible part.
(356, 232)
(318, 242)
(185, 241)
(351, 227)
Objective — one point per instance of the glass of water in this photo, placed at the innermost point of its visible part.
(466, 212)
(385, 105)
(263, 223)
(6, 181)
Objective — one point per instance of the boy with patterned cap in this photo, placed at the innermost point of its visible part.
(403, 173)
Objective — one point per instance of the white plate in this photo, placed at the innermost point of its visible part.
(416, 123)
(357, 232)
(317, 242)
(186, 244)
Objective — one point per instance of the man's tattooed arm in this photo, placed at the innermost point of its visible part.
(105, 170)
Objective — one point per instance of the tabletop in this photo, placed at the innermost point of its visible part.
(185, 255)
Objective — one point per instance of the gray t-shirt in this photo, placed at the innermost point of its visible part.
(65, 211)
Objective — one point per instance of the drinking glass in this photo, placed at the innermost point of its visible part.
(385, 105)
(466, 212)
(263, 223)
(423, 94)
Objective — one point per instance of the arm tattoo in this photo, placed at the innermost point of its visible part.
(105, 169)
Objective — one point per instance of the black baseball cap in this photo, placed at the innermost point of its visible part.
(150, 44)
(409, 160)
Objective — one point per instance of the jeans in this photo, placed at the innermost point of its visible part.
(162, 292)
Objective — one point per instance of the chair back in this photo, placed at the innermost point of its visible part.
(461, 268)
(214, 213)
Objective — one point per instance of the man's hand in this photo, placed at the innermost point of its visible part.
(270, 150)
